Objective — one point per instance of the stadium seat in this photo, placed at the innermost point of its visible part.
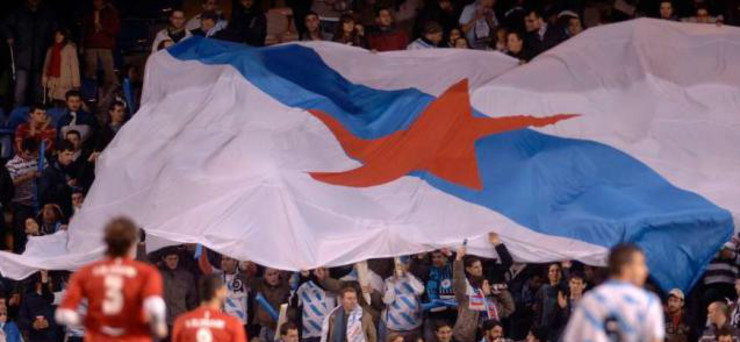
(18, 116)
(55, 114)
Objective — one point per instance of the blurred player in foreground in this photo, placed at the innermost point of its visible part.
(124, 296)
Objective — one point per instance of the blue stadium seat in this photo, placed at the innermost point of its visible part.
(55, 114)
(89, 90)
(18, 116)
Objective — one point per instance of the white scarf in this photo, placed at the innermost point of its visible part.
(354, 325)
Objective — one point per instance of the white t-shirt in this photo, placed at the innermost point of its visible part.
(637, 314)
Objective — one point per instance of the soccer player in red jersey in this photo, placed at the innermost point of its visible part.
(124, 296)
(208, 323)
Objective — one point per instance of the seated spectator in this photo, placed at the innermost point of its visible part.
(52, 219)
(702, 16)
(209, 26)
(208, 6)
(313, 28)
(676, 327)
(24, 171)
(478, 21)
(461, 43)
(493, 331)
(719, 319)
(315, 304)
(10, 331)
(402, 297)
(442, 332)
(499, 43)
(83, 161)
(347, 32)
(179, 286)
(289, 333)
(99, 30)
(573, 26)
(515, 47)
(32, 227)
(77, 119)
(58, 180)
(116, 119)
(452, 36)
(540, 36)
(78, 197)
(349, 319)
(431, 39)
(666, 11)
(38, 128)
(248, 24)
(175, 31)
(36, 317)
(61, 67)
(385, 36)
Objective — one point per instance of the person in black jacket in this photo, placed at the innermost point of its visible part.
(248, 24)
(540, 36)
(36, 316)
(58, 179)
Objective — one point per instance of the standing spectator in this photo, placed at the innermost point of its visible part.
(208, 6)
(38, 128)
(313, 30)
(289, 333)
(51, 219)
(431, 39)
(315, 303)
(442, 332)
(547, 298)
(666, 11)
(402, 315)
(24, 170)
(175, 31)
(209, 25)
(37, 314)
(99, 30)
(493, 331)
(567, 302)
(248, 24)
(28, 31)
(236, 282)
(347, 32)
(301, 9)
(349, 320)
(77, 119)
(720, 276)
(515, 47)
(719, 319)
(478, 21)
(385, 36)
(179, 287)
(61, 67)
(276, 291)
(57, 180)
(540, 36)
(438, 279)
(116, 119)
(676, 328)
(10, 331)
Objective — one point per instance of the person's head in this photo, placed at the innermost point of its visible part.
(208, 20)
(77, 198)
(443, 331)
(439, 259)
(576, 284)
(65, 153)
(501, 33)
(3, 314)
(177, 19)
(445, 5)
(347, 24)
(212, 289)
(384, 17)
(120, 237)
(349, 298)
(702, 15)
(395, 338)
(247, 4)
(574, 26)
(61, 36)
(289, 332)
(675, 301)
(165, 44)
(229, 264)
(462, 43)
(492, 329)
(533, 21)
(627, 263)
(454, 34)
(98, 4)
(537, 334)
(554, 273)
(74, 100)
(514, 42)
(51, 213)
(37, 114)
(473, 266)
(272, 276)
(32, 227)
(666, 9)
(171, 259)
(75, 138)
(29, 149)
(312, 22)
(718, 313)
(117, 112)
(724, 335)
(433, 32)
(487, 3)
(209, 5)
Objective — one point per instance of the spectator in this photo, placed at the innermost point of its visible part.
(431, 39)
(452, 37)
(537, 335)
(442, 332)
(461, 43)
(209, 26)
(32, 227)
(547, 299)
(78, 197)
(28, 30)
(385, 36)
(315, 303)
(51, 219)
(540, 36)
(116, 119)
(719, 318)
(83, 162)
(574, 26)
(493, 331)
(77, 119)
(567, 302)
(478, 21)
(236, 281)
(58, 180)
(676, 328)
(515, 47)
(10, 331)
(442, 12)
(499, 44)
(174, 32)
(373, 307)
(61, 67)
(36, 317)
(208, 6)
(38, 128)
(248, 24)
(289, 333)
(179, 287)
(726, 335)
(402, 293)
(24, 171)
(276, 291)
(666, 11)
(438, 279)
(313, 29)
(359, 324)
(347, 32)
(719, 277)
(99, 30)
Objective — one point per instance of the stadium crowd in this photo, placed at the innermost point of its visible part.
(67, 92)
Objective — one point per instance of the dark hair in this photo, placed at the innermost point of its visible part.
(348, 288)
(36, 106)
(64, 33)
(286, 327)
(115, 103)
(539, 332)
(310, 13)
(65, 145)
(518, 34)
(211, 15)
(169, 251)
(71, 93)
(537, 13)
(490, 324)
(120, 235)
(620, 256)
(432, 27)
(441, 324)
(469, 260)
(208, 286)
(75, 132)
(724, 331)
(381, 9)
(29, 144)
(577, 275)
(177, 9)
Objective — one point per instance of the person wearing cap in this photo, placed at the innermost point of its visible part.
(430, 38)
(676, 328)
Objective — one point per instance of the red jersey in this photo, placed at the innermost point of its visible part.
(204, 324)
(115, 290)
